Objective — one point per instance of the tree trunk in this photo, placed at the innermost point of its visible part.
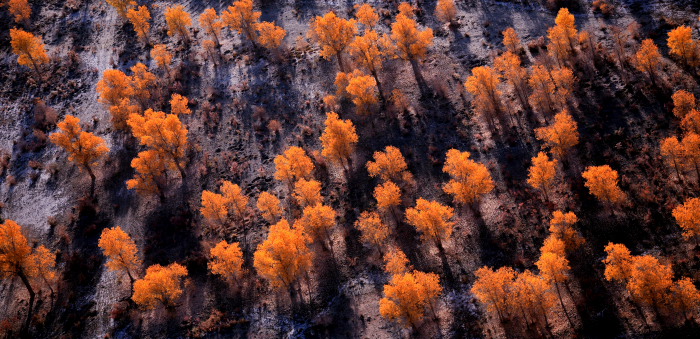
(30, 308)
(561, 301)
(417, 74)
(93, 178)
(341, 65)
(379, 87)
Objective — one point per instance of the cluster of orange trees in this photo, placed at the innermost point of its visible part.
(303, 217)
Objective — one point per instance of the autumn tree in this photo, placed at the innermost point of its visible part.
(46, 268)
(18, 260)
(369, 51)
(561, 227)
(120, 5)
(561, 135)
(691, 122)
(650, 280)
(363, 91)
(388, 195)
(388, 165)
(143, 82)
(270, 35)
(242, 18)
(269, 206)
(682, 44)
(542, 173)
(307, 192)
(555, 268)
(334, 34)
(564, 81)
(432, 219)
(687, 216)
(293, 165)
(226, 261)
(532, 295)
(396, 262)
(178, 21)
(29, 49)
(162, 57)
(511, 40)
(509, 65)
(691, 152)
(543, 90)
(648, 59)
(366, 15)
(602, 181)
(446, 11)
(84, 148)
(151, 173)
(121, 253)
(179, 104)
(685, 297)
(493, 289)
(163, 133)
(214, 208)
(162, 285)
(20, 9)
(284, 256)
(683, 103)
(618, 263)
(410, 42)
(483, 85)
(672, 151)
(562, 36)
(114, 87)
(230, 203)
(317, 222)
(211, 23)
(339, 139)
(374, 231)
(140, 17)
(409, 295)
(566, 21)
(469, 180)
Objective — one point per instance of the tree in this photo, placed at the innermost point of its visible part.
(269, 206)
(46, 267)
(687, 216)
(121, 112)
(469, 180)
(432, 219)
(18, 260)
(363, 91)
(532, 295)
(317, 222)
(691, 151)
(179, 104)
(366, 15)
(682, 44)
(163, 133)
(29, 48)
(373, 230)
(211, 23)
(618, 263)
(685, 297)
(543, 90)
(409, 295)
(120, 5)
(672, 151)
(334, 34)
(227, 261)
(483, 85)
(214, 208)
(162, 57)
(691, 122)
(559, 45)
(567, 22)
(560, 136)
(236, 201)
(446, 11)
(140, 17)
(143, 82)
(602, 181)
(511, 40)
(509, 65)
(650, 280)
(151, 173)
(387, 195)
(242, 18)
(648, 59)
(114, 87)
(178, 21)
(270, 35)
(388, 165)
(160, 286)
(284, 256)
(84, 148)
(493, 288)
(564, 80)
(411, 43)
(555, 267)
(542, 172)
(553, 244)
(396, 262)
(121, 253)
(560, 226)
(683, 103)
(369, 51)
(20, 9)
(339, 139)
(307, 192)
(293, 165)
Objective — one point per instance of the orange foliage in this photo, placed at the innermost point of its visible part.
(293, 165)
(211, 23)
(648, 58)
(366, 15)
(284, 256)
(140, 17)
(121, 112)
(178, 104)
(121, 251)
(492, 288)
(307, 192)
(178, 21)
(446, 11)
(373, 230)
(160, 286)
(363, 91)
(511, 40)
(542, 172)
(409, 295)
(388, 165)
(469, 179)
(672, 151)
(602, 181)
(561, 135)
(483, 85)
(509, 65)
(411, 43)
(683, 103)
(29, 48)
(560, 226)
(20, 9)
(162, 57)
(163, 133)
(84, 148)
(317, 222)
(688, 217)
(396, 262)
(387, 195)
(650, 280)
(242, 18)
(151, 167)
(227, 261)
(338, 139)
(270, 35)
(682, 44)
(120, 5)
(618, 263)
(269, 206)
(333, 34)
(432, 219)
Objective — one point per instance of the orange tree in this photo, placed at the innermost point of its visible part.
(333, 34)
